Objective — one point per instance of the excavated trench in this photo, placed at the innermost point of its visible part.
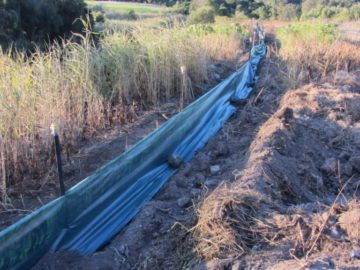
(277, 188)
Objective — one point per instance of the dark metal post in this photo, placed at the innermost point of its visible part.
(55, 132)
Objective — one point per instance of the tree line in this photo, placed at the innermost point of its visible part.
(24, 23)
(284, 9)
(270, 9)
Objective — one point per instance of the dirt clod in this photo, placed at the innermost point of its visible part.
(288, 115)
(355, 254)
(355, 163)
(215, 169)
(175, 161)
(184, 202)
(222, 149)
(329, 166)
(346, 169)
(211, 182)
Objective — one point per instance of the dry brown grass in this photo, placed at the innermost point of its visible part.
(307, 232)
(220, 47)
(225, 222)
(314, 51)
(313, 61)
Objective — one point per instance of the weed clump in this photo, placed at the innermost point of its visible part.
(201, 16)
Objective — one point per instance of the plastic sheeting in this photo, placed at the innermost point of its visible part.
(96, 209)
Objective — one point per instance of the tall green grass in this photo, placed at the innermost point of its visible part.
(88, 88)
(305, 32)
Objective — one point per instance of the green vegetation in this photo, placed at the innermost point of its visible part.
(314, 50)
(116, 15)
(335, 9)
(159, 2)
(125, 7)
(202, 16)
(220, 29)
(305, 32)
(285, 9)
(23, 22)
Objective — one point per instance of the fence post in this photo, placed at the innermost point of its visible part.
(55, 129)
(183, 86)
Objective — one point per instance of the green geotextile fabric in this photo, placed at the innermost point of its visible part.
(96, 209)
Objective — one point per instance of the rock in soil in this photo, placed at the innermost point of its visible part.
(175, 161)
(198, 181)
(335, 233)
(214, 169)
(329, 166)
(211, 183)
(187, 169)
(222, 149)
(288, 115)
(181, 182)
(355, 163)
(346, 169)
(195, 192)
(344, 155)
(183, 202)
(355, 254)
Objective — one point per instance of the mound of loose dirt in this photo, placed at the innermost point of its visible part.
(295, 204)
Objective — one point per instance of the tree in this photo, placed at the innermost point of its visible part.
(202, 15)
(25, 21)
(263, 12)
(289, 12)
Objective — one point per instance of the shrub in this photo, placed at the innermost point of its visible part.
(98, 8)
(202, 15)
(131, 15)
(262, 13)
(181, 7)
(327, 12)
(342, 15)
(289, 12)
(99, 17)
(297, 33)
(355, 12)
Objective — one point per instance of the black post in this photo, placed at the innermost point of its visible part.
(54, 131)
